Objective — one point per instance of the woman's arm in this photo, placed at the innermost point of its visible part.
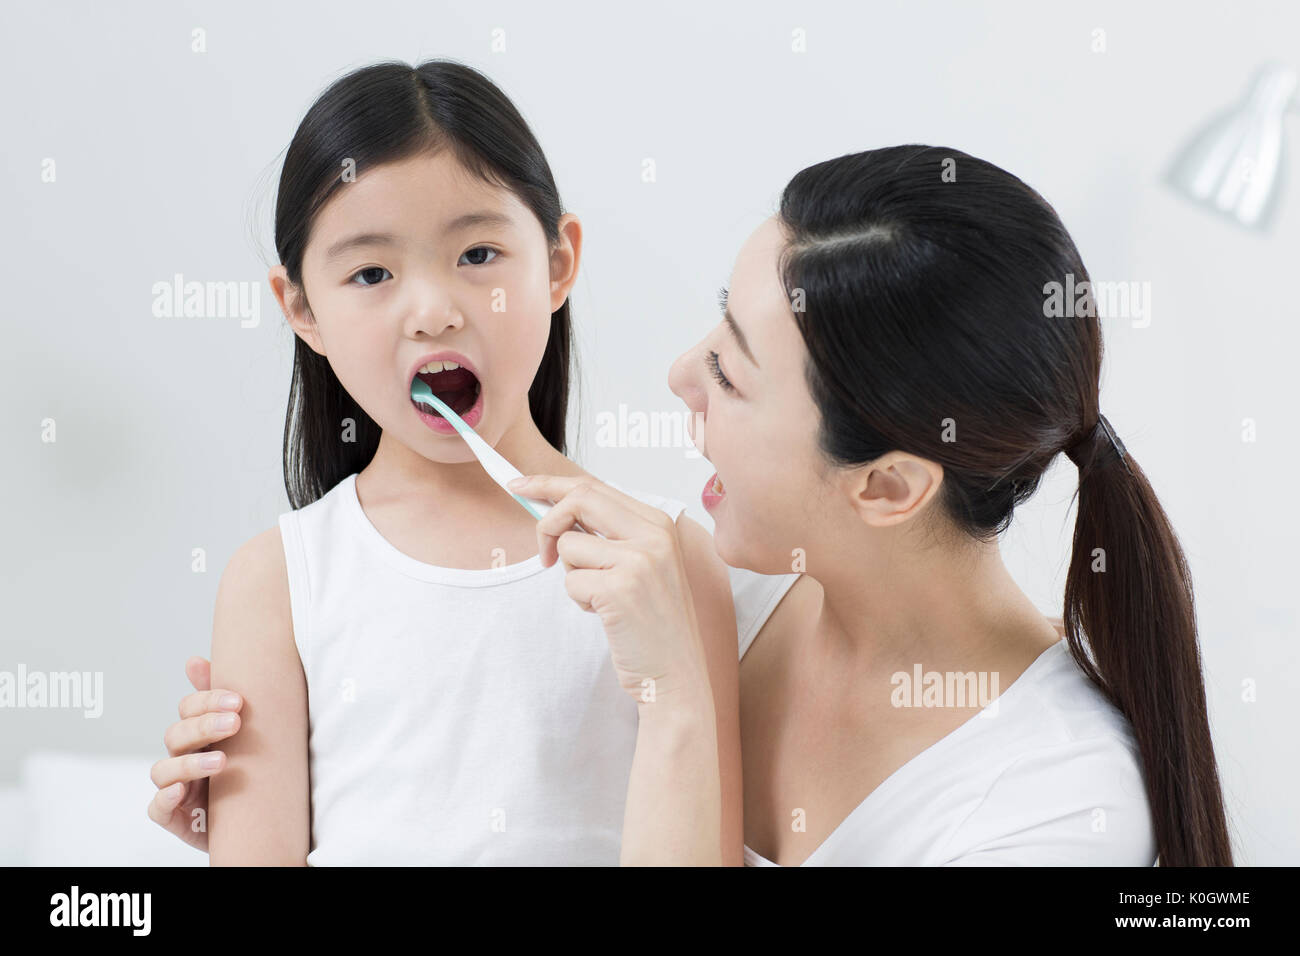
(627, 565)
(260, 805)
(711, 589)
(684, 791)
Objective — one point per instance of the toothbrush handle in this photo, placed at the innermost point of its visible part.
(534, 507)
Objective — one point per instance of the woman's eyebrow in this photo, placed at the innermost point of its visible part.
(468, 220)
(733, 327)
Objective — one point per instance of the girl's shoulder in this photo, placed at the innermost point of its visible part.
(772, 603)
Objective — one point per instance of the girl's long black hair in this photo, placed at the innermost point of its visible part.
(921, 275)
(384, 113)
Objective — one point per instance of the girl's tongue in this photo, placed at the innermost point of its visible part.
(458, 387)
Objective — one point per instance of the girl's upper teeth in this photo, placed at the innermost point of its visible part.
(435, 367)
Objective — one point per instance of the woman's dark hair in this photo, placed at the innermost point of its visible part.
(919, 277)
(385, 113)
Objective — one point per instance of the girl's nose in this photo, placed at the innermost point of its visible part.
(434, 313)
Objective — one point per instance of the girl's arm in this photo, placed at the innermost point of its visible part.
(260, 804)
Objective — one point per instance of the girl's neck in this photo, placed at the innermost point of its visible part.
(398, 472)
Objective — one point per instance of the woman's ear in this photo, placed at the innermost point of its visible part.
(892, 489)
(565, 256)
(294, 306)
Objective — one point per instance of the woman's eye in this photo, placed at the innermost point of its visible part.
(371, 269)
(480, 249)
(716, 371)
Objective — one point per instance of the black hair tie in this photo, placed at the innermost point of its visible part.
(1077, 452)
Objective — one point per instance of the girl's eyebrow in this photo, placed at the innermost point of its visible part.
(344, 246)
(468, 220)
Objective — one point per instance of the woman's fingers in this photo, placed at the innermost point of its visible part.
(578, 550)
(164, 804)
(583, 586)
(207, 701)
(187, 767)
(592, 512)
(598, 509)
(168, 808)
(199, 671)
(194, 733)
(555, 487)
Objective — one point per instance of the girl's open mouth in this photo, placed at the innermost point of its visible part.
(458, 387)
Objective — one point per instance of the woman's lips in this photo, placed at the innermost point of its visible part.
(713, 492)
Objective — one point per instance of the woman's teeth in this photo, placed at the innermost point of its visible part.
(717, 485)
(435, 367)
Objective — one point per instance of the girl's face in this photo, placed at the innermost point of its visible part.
(745, 386)
(419, 261)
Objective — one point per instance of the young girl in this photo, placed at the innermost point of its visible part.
(420, 688)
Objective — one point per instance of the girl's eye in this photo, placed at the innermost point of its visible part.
(716, 371)
(370, 269)
(477, 249)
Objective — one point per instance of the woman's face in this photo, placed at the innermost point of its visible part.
(418, 260)
(760, 429)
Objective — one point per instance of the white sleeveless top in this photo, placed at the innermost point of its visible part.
(457, 717)
(1047, 774)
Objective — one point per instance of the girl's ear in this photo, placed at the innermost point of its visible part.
(565, 255)
(294, 306)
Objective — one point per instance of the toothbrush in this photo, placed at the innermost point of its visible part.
(498, 469)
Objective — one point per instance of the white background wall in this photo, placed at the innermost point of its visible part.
(169, 431)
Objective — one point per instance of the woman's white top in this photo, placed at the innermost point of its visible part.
(457, 717)
(1046, 774)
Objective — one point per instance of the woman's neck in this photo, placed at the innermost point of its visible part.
(893, 606)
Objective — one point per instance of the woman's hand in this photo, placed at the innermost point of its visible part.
(632, 577)
(631, 573)
(182, 778)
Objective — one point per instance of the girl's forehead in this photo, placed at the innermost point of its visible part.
(422, 197)
(420, 184)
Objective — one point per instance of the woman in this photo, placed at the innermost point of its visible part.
(887, 343)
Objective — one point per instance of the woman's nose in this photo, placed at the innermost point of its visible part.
(685, 384)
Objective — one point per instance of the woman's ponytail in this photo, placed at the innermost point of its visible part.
(1128, 599)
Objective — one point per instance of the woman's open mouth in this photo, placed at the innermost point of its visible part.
(713, 492)
(456, 386)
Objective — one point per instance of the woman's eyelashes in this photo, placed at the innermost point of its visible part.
(476, 260)
(716, 371)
